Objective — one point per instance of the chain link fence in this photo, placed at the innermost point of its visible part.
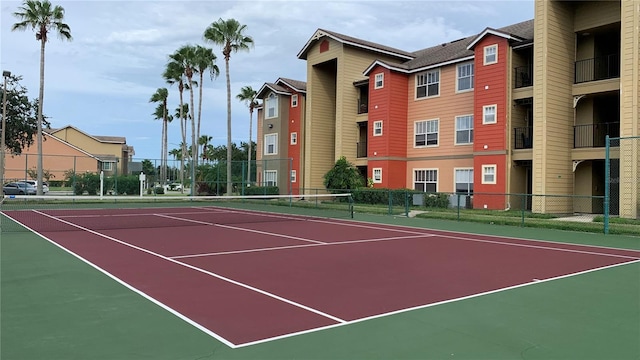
(622, 183)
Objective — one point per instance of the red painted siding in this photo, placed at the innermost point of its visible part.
(389, 105)
(294, 151)
(490, 89)
(487, 194)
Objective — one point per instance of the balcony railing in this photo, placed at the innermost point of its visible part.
(361, 151)
(600, 68)
(523, 138)
(593, 135)
(363, 107)
(523, 76)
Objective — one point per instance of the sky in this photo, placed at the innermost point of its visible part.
(102, 80)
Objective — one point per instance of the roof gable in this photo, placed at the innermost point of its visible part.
(354, 42)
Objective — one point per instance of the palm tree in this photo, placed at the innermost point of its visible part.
(229, 34)
(183, 111)
(161, 113)
(204, 141)
(247, 94)
(174, 74)
(204, 60)
(43, 18)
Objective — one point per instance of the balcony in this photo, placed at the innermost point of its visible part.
(593, 135)
(523, 138)
(361, 151)
(363, 107)
(523, 76)
(600, 68)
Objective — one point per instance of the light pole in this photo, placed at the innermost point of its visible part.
(5, 75)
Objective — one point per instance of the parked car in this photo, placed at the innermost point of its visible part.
(45, 186)
(18, 188)
(175, 186)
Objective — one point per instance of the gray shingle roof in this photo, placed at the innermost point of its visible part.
(296, 84)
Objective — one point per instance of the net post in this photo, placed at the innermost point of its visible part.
(350, 197)
(607, 182)
(406, 203)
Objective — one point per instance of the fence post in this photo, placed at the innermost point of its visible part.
(243, 180)
(607, 182)
(390, 195)
(524, 206)
(458, 205)
(406, 203)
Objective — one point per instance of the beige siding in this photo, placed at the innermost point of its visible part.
(446, 171)
(553, 111)
(591, 14)
(630, 110)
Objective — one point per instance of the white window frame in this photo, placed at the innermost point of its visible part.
(487, 50)
(469, 130)
(426, 130)
(455, 179)
(294, 138)
(465, 67)
(271, 139)
(294, 176)
(377, 128)
(271, 103)
(294, 100)
(426, 79)
(489, 170)
(376, 173)
(485, 112)
(107, 165)
(379, 81)
(268, 174)
(427, 171)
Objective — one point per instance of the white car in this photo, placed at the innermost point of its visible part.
(45, 186)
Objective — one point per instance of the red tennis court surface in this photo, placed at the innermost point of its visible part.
(254, 281)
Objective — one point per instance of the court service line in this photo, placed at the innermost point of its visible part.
(539, 247)
(240, 229)
(298, 246)
(210, 273)
(419, 307)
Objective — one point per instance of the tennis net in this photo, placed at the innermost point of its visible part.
(73, 213)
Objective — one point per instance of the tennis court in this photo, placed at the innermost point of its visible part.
(247, 278)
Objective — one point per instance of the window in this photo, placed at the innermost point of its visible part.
(270, 178)
(294, 138)
(426, 133)
(465, 76)
(377, 128)
(379, 84)
(464, 129)
(293, 176)
(294, 100)
(107, 166)
(489, 114)
(464, 181)
(428, 84)
(488, 174)
(425, 180)
(272, 106)
(490, 54)
(377, 175)
(271, 144)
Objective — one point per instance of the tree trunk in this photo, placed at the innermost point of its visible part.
(194, 144)
(183, 146)
(249, 154)
(39, 136)
(200, 108)
(229, 152)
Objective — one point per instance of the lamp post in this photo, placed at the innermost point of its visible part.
(5, 75)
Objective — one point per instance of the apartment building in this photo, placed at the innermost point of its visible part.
(522, 109)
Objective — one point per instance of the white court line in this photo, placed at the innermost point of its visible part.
(538, 281)
(299, 246)
(246, 286)
(241, 229)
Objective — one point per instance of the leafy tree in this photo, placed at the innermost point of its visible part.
(248, 95)
(343, 176)
(230, 34)
(148, 168)
(162, 113)
(46, 174)
(22, 117)
(43, 18)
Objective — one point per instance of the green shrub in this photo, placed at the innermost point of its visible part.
(436, 200)
(262, 190)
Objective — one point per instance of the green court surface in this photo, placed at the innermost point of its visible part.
(54, 306)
